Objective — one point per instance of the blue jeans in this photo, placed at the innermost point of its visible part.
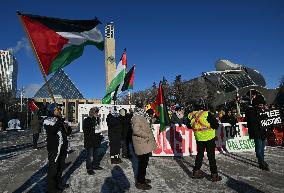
(259, 149)
(134, 160)
(91, 158)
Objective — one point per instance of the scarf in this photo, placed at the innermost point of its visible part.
(142, 113)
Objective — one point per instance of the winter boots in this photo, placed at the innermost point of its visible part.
(143, 186)
(63, 186)
(215, 178)
(114, 159)
(91, 172)
(263, 165)
(148, 181)
(198, 174)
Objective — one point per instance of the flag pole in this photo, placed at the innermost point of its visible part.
(35, 53)
(129, 98)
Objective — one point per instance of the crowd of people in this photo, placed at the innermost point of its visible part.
(130, 135)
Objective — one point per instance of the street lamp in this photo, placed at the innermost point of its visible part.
(22, 92)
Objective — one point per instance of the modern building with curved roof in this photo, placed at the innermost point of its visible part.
(232, 81)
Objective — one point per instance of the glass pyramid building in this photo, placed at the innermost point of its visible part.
(60, 85)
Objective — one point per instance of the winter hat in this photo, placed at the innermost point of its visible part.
(122, 112)
(93, 110)
(150, 112)
(258, 100)
(139, 104)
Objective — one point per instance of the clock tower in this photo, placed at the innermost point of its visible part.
(110, 65)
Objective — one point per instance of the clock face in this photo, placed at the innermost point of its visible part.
(111, 59)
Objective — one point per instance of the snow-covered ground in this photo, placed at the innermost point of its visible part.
(23, 169)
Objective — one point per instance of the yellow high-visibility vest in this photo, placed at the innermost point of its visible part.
(200, 125)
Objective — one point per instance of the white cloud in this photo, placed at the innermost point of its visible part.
(22, 44)
(31, 89)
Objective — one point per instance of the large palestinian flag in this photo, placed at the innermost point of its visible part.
(57, 42)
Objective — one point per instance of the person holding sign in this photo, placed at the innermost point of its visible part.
(204, 124)
(254, 115)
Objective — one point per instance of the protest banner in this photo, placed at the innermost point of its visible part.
(180, 141)
(270, 118)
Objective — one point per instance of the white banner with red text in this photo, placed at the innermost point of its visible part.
(180, 141)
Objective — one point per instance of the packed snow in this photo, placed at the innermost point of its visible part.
(24, 169)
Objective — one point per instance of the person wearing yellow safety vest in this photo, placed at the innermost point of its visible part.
(204, 124)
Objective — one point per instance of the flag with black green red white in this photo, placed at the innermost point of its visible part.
(116, 83)
(161, 110)
(58, 42)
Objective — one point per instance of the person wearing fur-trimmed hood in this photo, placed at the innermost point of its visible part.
(57, 130)
(144, 143)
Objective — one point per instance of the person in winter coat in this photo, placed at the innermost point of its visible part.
(178, 117)
(57, 130)
(92, 140)
(229, 118)
(114, 134)
(144, 143)
(126, 126)
(256, 132)
(204, 124)
(35, 126)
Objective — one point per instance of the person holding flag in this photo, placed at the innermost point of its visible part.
(35, 127)
(35, 123)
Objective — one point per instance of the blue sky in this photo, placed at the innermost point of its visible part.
(162, 37)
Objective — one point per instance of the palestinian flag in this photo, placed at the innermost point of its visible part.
(57, 42)
(32, 106)
(128, 80)
(160, 108)
(115, 85)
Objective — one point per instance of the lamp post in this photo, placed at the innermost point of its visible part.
(22, 92)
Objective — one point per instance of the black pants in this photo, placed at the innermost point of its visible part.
(35, 139)
(55, 169)
(142, 166)
(210, 149)
(92, 160)
(124, 146)
(114, 143)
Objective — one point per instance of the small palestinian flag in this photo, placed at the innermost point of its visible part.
(128, 80)
(57, 42)
(32, 106)
(161, 109)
